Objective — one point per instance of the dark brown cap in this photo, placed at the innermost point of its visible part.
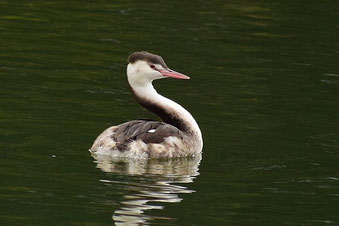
(146, 56)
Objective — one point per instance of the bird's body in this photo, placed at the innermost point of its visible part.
(178, 135)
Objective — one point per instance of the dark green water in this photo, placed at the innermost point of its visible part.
(264, 89)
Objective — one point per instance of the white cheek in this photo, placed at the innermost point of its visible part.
(132, 71)
(140, 73)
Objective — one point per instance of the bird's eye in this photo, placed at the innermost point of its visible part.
(152, 66)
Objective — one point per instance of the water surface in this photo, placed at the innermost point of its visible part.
(264, 89)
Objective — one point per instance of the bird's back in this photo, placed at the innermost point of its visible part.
(142, 138)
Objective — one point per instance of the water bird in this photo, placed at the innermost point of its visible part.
(177, 135)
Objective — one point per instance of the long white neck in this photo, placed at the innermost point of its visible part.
(169, 111)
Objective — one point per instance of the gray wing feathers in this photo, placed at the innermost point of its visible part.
(139, 130)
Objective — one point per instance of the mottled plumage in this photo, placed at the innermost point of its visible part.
(177, 136)
(139, 130)
(122, 136)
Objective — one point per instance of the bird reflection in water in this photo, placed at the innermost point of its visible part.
(157, 183)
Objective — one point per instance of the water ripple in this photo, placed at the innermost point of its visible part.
(157, 183)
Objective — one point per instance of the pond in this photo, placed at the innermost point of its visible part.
(264, 90)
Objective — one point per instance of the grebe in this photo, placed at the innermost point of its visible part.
(178, 135)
